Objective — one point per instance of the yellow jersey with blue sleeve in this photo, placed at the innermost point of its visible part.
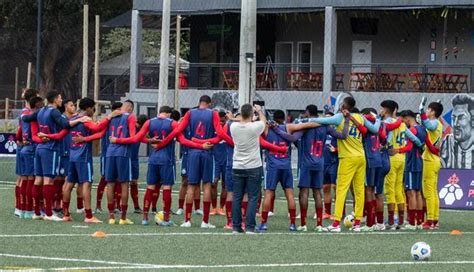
(352, 146)
(398, 141)
(435, 132)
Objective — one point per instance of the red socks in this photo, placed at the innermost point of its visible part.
(100, 192)
(188, 211)
(264, 217)
(134, 193)
(304, 212)
(88, 213)
(244, 208)
(147, 200)
(111, 207)
(167, 204)
(80, 203)
(36, 194)
(66, 208)
(380, 217)
(29, 195)
(370, 213)
(228, 211)
(214, 203)
(207, 207)
(180, 203)
(420, 218)
(124, 212)
(411, 217)
(327, 208)
(48, 193)
(292, 216)
(391, 217)
(155, 196)
(401, 216)
(118, 194)
(319, 216)
(18, 197)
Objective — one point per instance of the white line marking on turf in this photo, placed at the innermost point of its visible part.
(52, 235)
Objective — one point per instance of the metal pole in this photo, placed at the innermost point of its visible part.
(17, 72)
(164, 53)
(177, 57)
(96, 60)
(38, 45)
(28, 76)
(248, 45)
(85, 51)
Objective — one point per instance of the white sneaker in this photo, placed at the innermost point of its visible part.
(298, 216)
(331, 228)
(379, 227)
(302, 228)
(391, 227)
(53, 218)
(80, 211)
(356, 228)
(270, 214)
(408, 227)
(319, 229)
(315, 216)
(179, 212)
(186, 224)
(17, 212)
(37, 217)
(198, 211)
(367, 229)
(207, 226)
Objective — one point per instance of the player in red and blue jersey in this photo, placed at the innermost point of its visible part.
(136, 167)
(331, 162)
(413, 168)
(50, 121)
(220, 162)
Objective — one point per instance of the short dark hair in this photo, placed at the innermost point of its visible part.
(246, 111)
(175, 115)
(437, 108)
(116, 105)
(408, 113)
(222, 114)
(141, 119)
(30, 93)
(278, 115)
(464, 99)
(368, 111)
(389, 105)
(35, 100)
(205, 99)
(85, 103)
(312, 110)
(165, 109)
(349, 101)
(354, 110)
(51, 96)
(129, 101)
(62, 109)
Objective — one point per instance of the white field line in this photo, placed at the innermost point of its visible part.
(53, 235)
(120, 265)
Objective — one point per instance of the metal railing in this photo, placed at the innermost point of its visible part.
(10, 108)
(115, 88)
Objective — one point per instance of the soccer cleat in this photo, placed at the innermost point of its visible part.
(93, 220)
(98, 211)
(28, 215)
(367, 229)
(426, 225)
(111, 221)
(263, 227)
(391, 227)
(67, 218)
(270, 214)
(80, 211)
(220, 211)
(179, 212)
(408, 227)
(319, 229)
(315, 216)
(379, 227)
(326, 216)
(22, 215)
(213, 212)
(58, 213)
(435, 226)
(186, 224)
(198, 211)
(17, 213)
(207, 226)
(37, 217)
(228, 226)
(125, 221)
(53, 218)
(145, 222)
(302, 228)
(419, 227)
(292, 227)
(166, 223)
(356, 228)
(153, 210)
(332, 228)
(138, 211)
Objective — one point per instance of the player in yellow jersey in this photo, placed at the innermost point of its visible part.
(351, 164)
(394, 187)
(431, 161)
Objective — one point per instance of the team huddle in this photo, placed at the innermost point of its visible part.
(381, 157)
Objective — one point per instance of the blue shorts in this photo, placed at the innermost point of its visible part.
(220, 172)
(380, 180)
(330, 173)
(135, 169)
(118, 169)
(80, 172)
(18, 163)
(63, 166)
(229, 184)
(27, 165)
(412, 180)
(201, 168)
(46, 163)
(102, 166)
(284, 176)
(184, 165)
(161, 174)
(311, 178)
(371, 176)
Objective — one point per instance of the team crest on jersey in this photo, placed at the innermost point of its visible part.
(451, 192)
(183, 171)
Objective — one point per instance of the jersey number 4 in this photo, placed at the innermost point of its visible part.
(200, 130)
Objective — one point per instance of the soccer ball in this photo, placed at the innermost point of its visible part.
(159, 217)
(349, 221)
(450, 193)
(420, 251)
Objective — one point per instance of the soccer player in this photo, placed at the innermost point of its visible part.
(351, 164)
(220, 161)
(413, 168)
(136, 167)
(50, 121)
(118, 162)
(431, 161)
(331, 163)
(81, 168)
(104, 143)
(161, 163)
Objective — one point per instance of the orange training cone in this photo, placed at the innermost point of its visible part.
(99, 234)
